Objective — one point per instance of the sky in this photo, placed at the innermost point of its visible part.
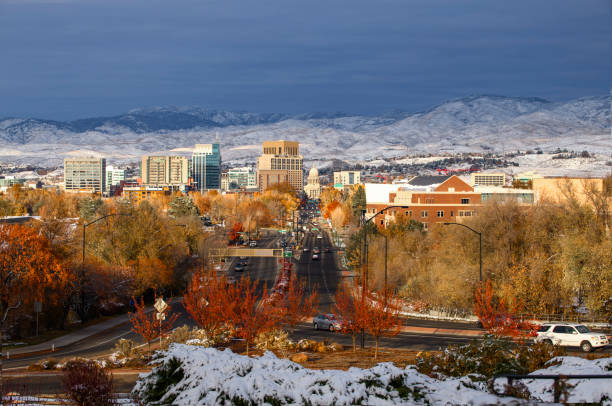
(68, 59)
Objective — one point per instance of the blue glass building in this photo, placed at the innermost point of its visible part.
(206, 167)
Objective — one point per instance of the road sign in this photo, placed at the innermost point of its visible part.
(160, 316)
(287, 254)
(160, 305)
(38, 307)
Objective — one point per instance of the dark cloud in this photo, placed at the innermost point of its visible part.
(66, 59)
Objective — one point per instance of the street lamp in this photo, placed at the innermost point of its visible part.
(479, 241)
(365, 254)
(85, 225)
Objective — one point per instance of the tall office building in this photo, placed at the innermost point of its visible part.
(280, 162)
(346, 178)
(206, 167)
(164, 170)
(85, 175)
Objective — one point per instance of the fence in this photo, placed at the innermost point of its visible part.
(557, 384)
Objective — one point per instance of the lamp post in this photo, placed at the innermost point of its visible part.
(365, 254)
(85, 225)
(479, 242)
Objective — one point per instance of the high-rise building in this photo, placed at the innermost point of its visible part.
(114, 176)
(280, 162)
(164, 170)
(85, 175)
(488, 179)
(206, 167)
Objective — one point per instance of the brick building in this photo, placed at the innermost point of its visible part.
(427, 199)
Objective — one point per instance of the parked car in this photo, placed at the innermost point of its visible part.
(239, 267)
(571, 335)
(253, 243)
(326, 322)
(315, 257)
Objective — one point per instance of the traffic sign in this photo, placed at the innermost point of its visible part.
(160, 305)
(287, 254)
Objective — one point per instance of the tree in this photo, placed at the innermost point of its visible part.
(147, 325)
(182, 206)
(297, 305)
(207, 300)
(381, 316)
(497, 317)
(358, 201)
(250, 313)
(29, 272)
(234, 235)
(348, 308)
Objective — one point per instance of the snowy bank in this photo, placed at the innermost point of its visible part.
(191, 375)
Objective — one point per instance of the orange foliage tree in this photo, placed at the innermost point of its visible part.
(381, 316)
(330, 208)
(234, 235)
(348, 308)
(498, 317)
(297, 304)
(206, 301)
(29, 272)
(249, 312)
(146, 324)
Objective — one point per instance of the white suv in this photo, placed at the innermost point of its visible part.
(571, 335)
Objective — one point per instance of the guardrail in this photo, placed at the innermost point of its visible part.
(556, 378)
(565, 318)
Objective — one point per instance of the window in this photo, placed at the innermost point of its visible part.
(382, 222)
(465, 201)
(429, 200)
(409, 213)
(425, 226)
(562, 330)
(452, 214)
(424, 214)
(440, 213)
(543, 328)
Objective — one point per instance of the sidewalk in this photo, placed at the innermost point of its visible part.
(74, 337)
(70, 338)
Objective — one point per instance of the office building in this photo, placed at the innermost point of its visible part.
(488, 179)
(242, 178)
(346, 178)
(86, 175)
(280, 162)
(206, 167)
(164, 170)
(114, 176)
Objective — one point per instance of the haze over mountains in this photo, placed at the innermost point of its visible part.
(473, 123)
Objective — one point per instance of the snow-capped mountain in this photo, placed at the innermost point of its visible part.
(468, 124)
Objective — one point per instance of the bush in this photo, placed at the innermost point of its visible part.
(126, 349)
(187, 335)
(88, 384)
(487, 358)
(274, 340)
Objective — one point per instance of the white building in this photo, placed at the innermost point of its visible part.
(346, 178)
(114, 176)
(313, 186)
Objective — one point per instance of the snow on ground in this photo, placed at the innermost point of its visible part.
(583, 390)
(212, 377)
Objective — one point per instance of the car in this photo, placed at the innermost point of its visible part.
(305, 249)
(326, 249)
(239, 267)
(315, 257)
(316, 250)
(326, 322)
(253, 244)
(571, 335)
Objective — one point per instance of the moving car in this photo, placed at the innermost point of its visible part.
(315, 257)
(239, 267)
(326, 322)
(571, 335)
(253, 243)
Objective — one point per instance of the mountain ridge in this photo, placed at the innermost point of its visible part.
(470, 123)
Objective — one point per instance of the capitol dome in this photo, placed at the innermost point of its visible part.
(313, 172)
